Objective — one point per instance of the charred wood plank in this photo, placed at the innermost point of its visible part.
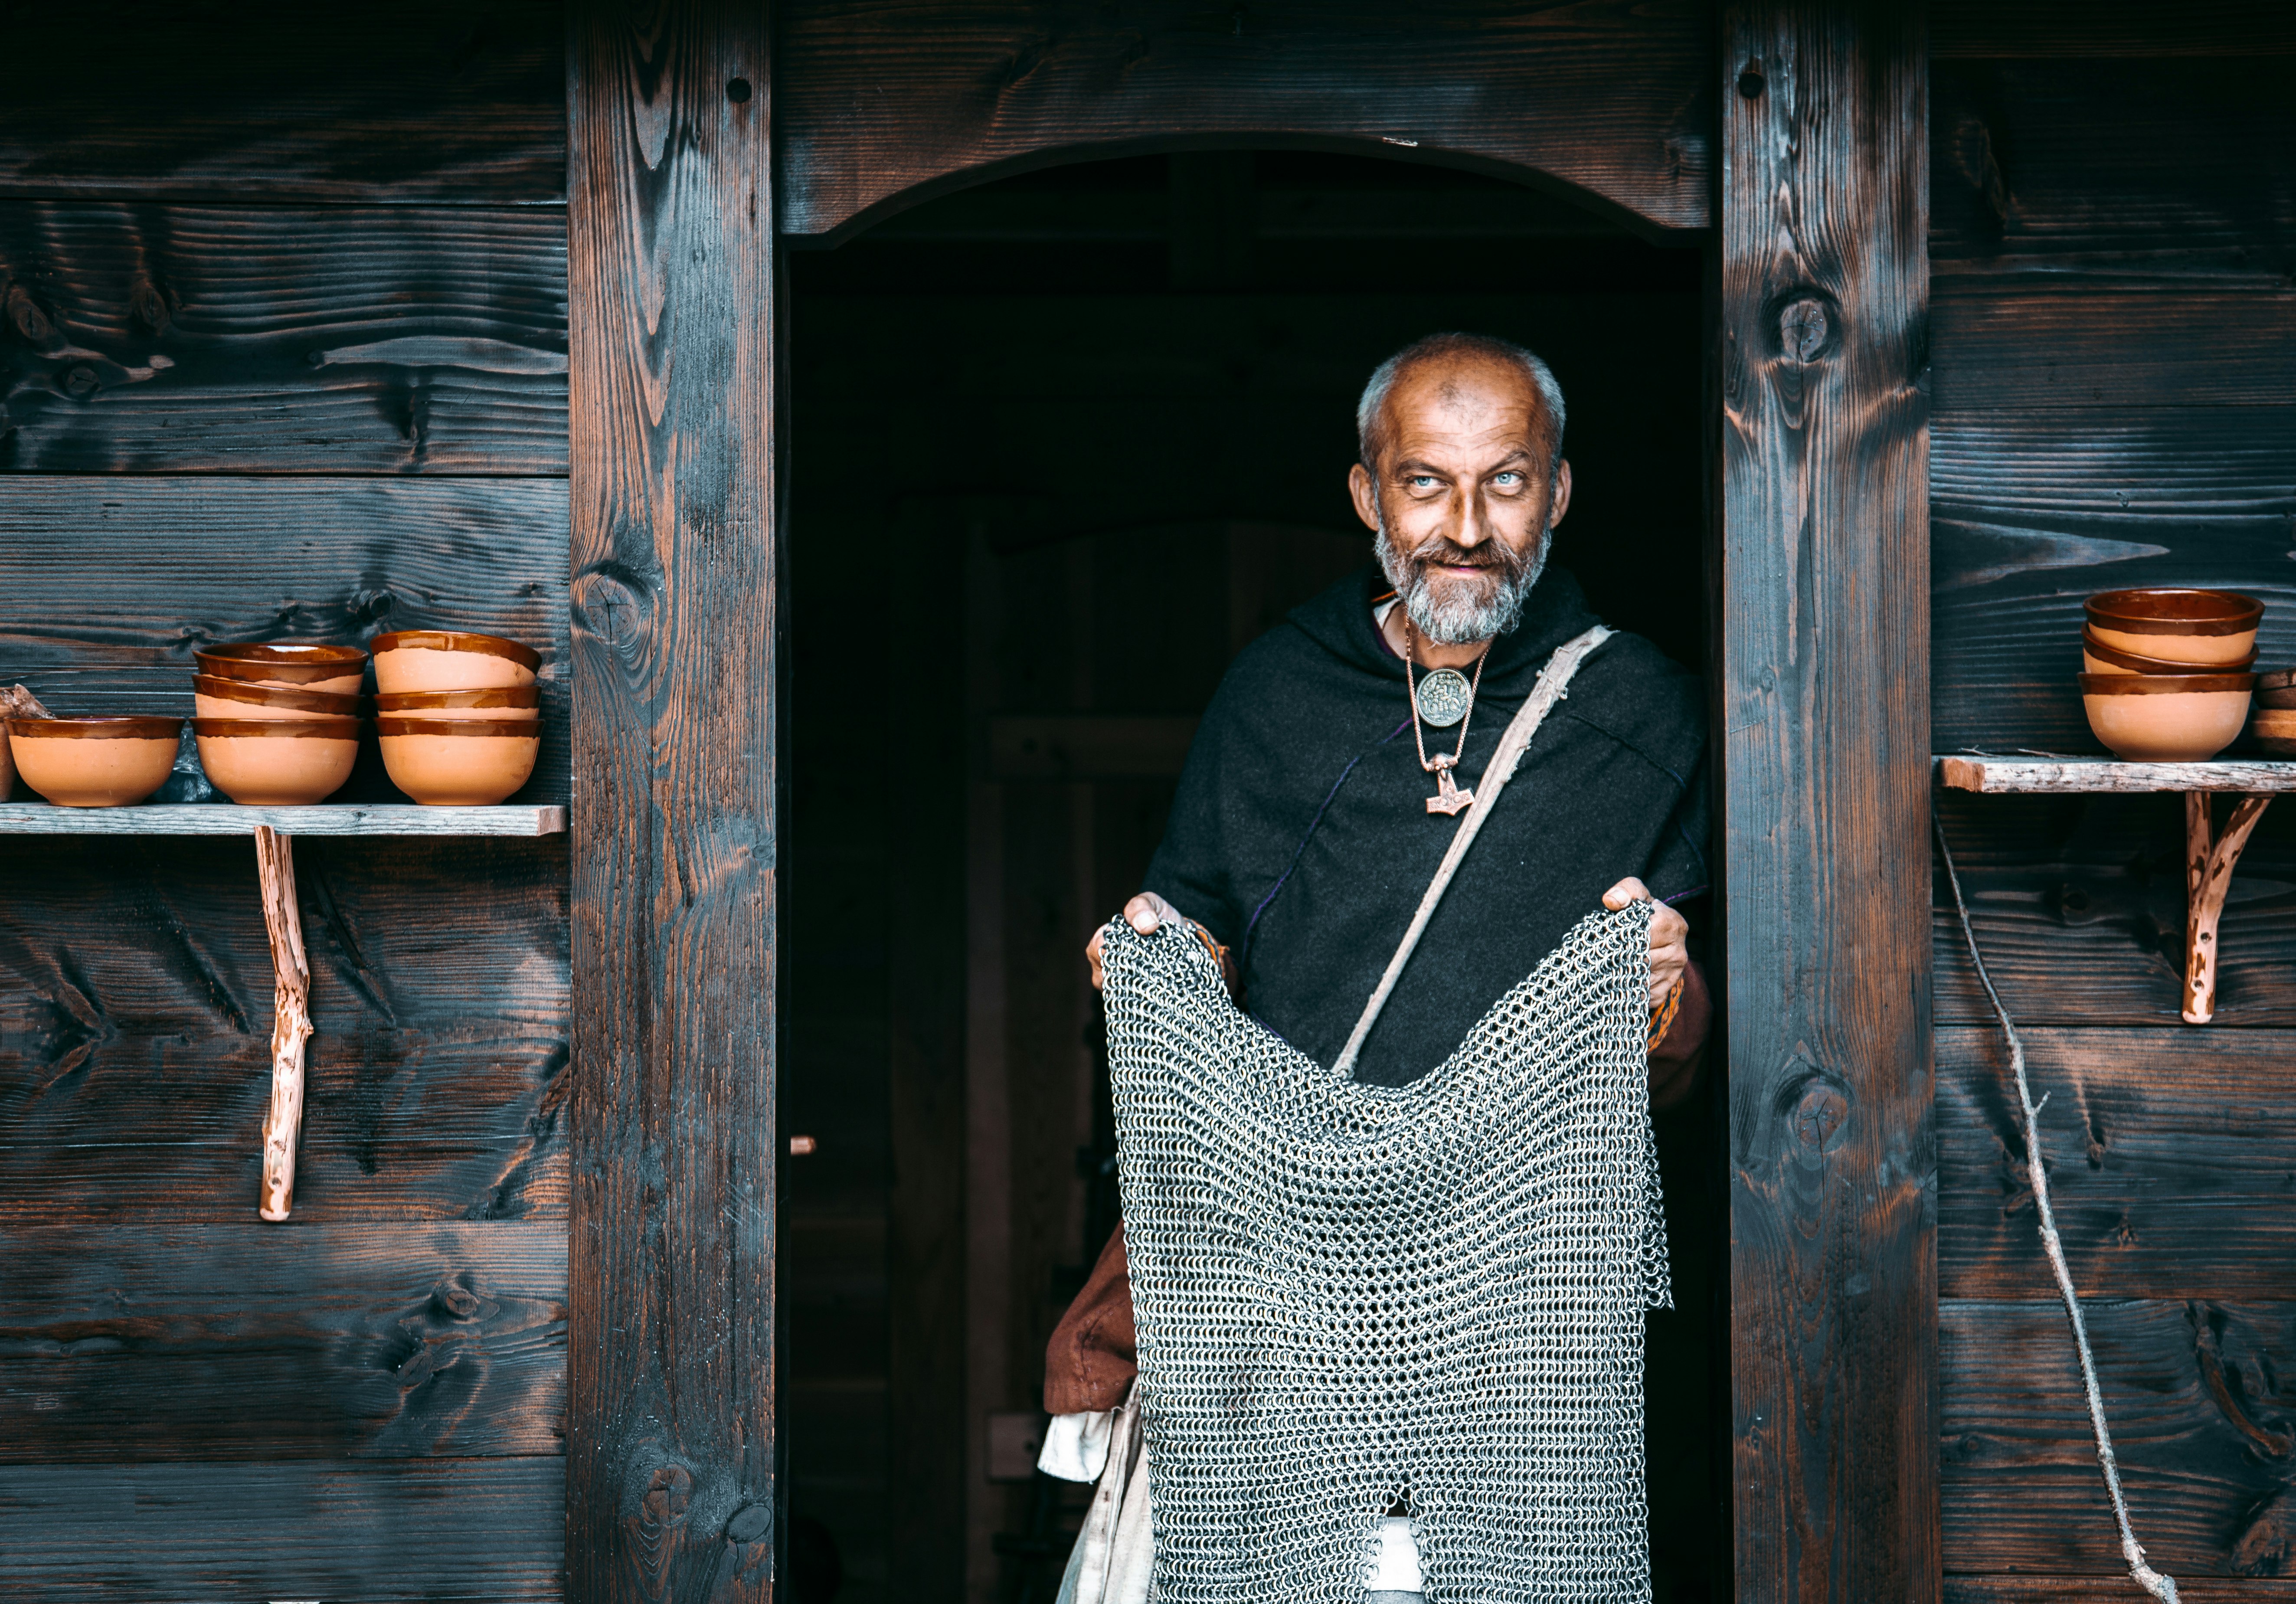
(1824, 744)
(216, 1343)
(255, 338)
(1994, 350)
(670, 268)
(2177, 174)
(2169, 1153)
(2085, 1590)
(2201, 1409)
(134, 1012)
(1960, 30)
(883, 105)
(113, 581)
(2031, 509)
(2079, 905)
(452, 1531)
(427, 101)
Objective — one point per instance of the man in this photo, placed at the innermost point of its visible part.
(1326, 780)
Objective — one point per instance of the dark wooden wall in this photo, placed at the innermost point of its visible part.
(283, 356)
(2114, 257)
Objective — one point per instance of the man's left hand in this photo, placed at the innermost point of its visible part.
(1670, 937)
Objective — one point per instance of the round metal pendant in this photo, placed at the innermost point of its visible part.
(1444, 698)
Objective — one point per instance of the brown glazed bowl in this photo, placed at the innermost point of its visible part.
(2167, 718)
(459, 762)
(2211, 630)
(447, 660)
(2277, 688)
(95, 763)
(330, 670)
(213, 698)
(495, 701)
(278, 762)
(2098, 658)
(2275, 729)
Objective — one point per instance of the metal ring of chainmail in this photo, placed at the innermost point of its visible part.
(1348, 1294)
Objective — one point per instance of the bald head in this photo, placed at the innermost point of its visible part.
(1461, 375)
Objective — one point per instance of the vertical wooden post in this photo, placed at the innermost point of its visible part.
(1824, 295)
(669, 265)
(291, 1019)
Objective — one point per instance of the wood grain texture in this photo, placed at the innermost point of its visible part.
(2140, 173)
(671, 1432)
(452, 1531)
(427, 101)
(2031, 509)
(1994, 350)
(1825, 702)
(261, 339)
(134, 1017)
(2201, 1420)
(2169, 1157)
(228, 819)
(109, 583)
(2087, 1590)
(216, 1343)
(2002, 776)
(883, 104)
(2079, 904)
(2101, 28)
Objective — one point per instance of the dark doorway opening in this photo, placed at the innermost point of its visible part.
(1062, 444)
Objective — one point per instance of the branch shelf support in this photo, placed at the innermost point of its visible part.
(290, 1020)
(2210, 852)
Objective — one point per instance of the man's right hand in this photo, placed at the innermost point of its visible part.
(1145, 913)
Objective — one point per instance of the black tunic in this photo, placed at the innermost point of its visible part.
(1301, 837)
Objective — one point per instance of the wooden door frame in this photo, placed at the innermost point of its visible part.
(1817, 113)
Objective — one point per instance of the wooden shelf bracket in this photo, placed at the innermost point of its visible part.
(290, 1022)
(2210, 855)
(2210, 852)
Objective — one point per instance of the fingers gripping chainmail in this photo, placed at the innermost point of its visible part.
(1348, 1293)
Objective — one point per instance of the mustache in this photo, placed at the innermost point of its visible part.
(1494, 554)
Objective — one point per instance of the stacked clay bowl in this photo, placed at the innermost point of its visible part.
(2274, 723)
(95, 763)
(459, 715)
(2167, 673)
(277, 724)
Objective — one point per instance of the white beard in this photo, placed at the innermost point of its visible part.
(1454, 613)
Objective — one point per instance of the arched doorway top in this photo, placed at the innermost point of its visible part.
(880, 106)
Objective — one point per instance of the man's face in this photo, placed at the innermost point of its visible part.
(1461, 502)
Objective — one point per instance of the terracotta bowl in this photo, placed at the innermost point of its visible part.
(459, 762)
(95, 763)
(2275, 729)
(495, 701)
(2167, 718)
(447, 660)
(278, 762)
(2098, 658)
(214, 698)
(2209, 628)
(331, 671)
(2277, 688)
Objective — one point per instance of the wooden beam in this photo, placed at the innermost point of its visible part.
(1825, 759)
(229, 819)
(670, 1358)
(2059, 775)
(886, 104)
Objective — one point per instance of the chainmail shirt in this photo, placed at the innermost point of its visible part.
(1346, 1293)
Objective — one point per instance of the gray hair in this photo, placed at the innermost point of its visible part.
(1371, 411)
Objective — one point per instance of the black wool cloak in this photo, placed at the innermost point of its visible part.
(1300, 837)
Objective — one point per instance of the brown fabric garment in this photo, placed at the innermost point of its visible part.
(1091, 1361)
(1094, 1355)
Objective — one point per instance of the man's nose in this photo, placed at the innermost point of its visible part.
(1472, 524)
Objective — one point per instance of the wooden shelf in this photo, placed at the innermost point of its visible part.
(2029, 776)
(226, 819)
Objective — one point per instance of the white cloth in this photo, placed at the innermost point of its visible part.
(1115, 1554)
(1397, 1568)
(1076, 1446)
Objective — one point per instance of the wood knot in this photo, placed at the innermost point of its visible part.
(1819, 1118)
(752, 1522)
(150, 307)
(1751, 81)
(80, 381)
(1803, 329)
(24, 313)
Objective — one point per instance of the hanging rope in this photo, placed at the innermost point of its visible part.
(2163, 1588)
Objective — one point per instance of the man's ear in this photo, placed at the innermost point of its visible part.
(1365, 494)
(1559, 502)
